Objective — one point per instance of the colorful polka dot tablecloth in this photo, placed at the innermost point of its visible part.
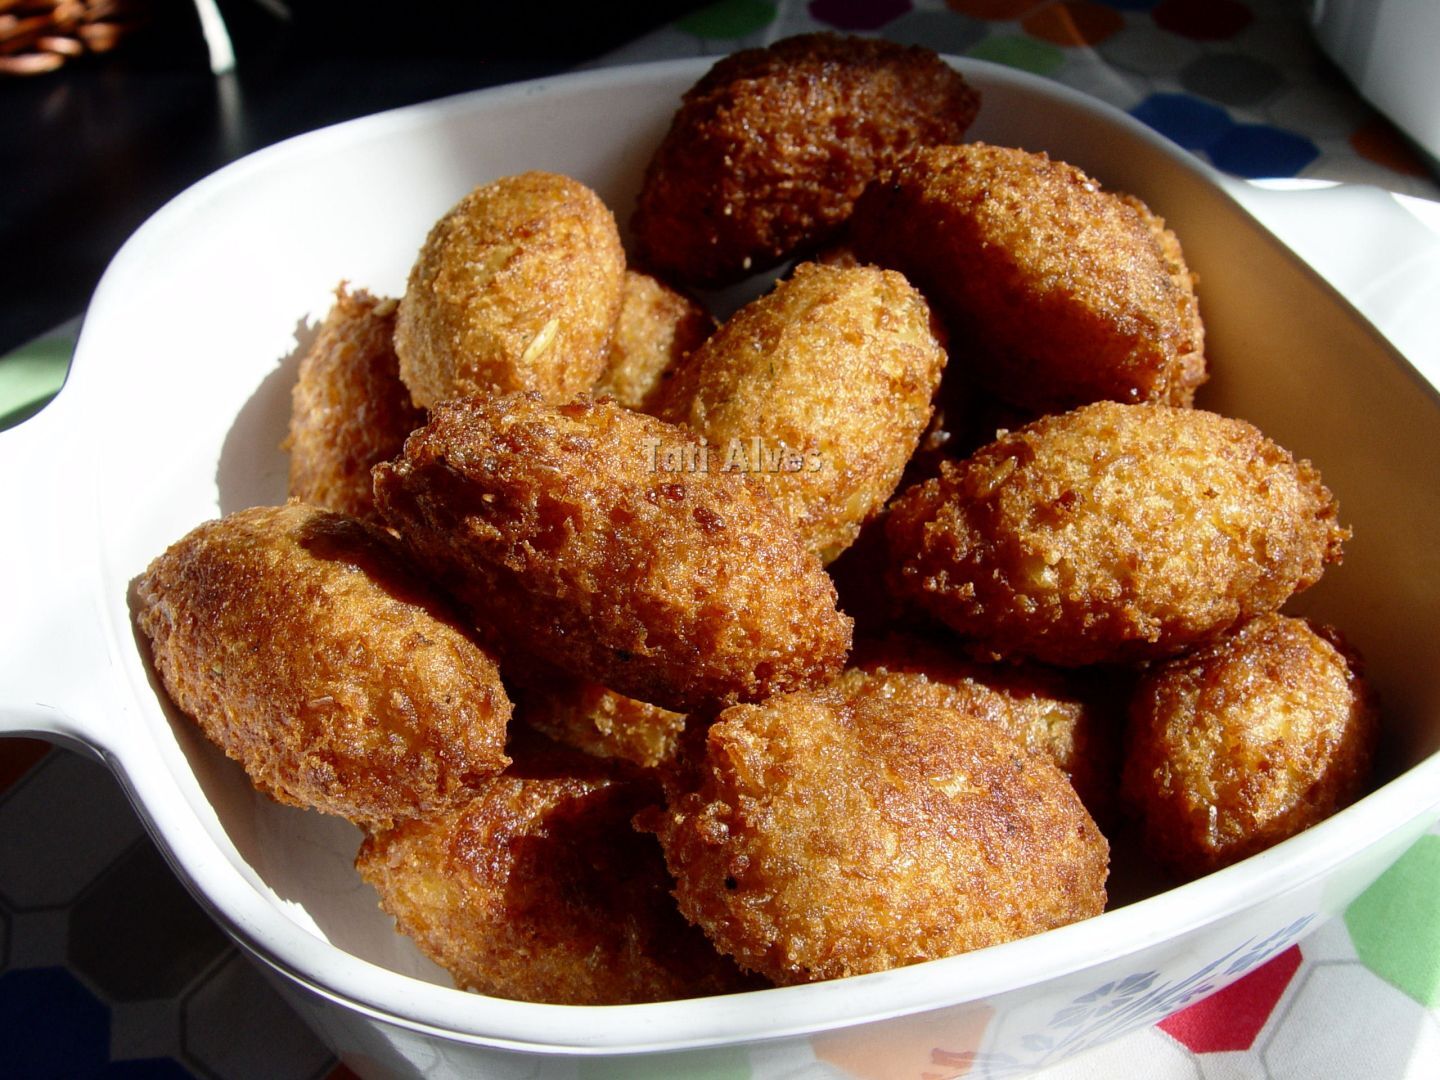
(1241, 84)
(108, 968)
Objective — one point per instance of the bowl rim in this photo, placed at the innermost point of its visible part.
(366, 988)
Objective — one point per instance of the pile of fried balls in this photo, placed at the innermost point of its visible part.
(659, 654)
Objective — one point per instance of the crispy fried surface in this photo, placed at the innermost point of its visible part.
(770, 149)
(539, 889)
(557, 530)
(589, 717)
(1247, 741)
(349, 409)
(830, 837)
(1058, 293)
(516, 288)
(1075, 720)
(302, 645)
(657, 327)
(1113, 533)
(833, 372)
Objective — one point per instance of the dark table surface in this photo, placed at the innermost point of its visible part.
(88, 152)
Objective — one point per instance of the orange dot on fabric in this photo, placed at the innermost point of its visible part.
(994, 10)
(1074, 23)
(1378, 141)
(940, 1045)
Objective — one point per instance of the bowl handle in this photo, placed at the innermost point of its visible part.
(1380, 251)
(54, 662)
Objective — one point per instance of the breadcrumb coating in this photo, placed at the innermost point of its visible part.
(594, 719)
(770, 149)
(827, 836)
(821, 389)
(1112, 533)
(304, 647)
(1247, 741)
(1055, 291)
(516, 288)
(1073, 718)
(349, 410)
(538, 889)
(557, 529)
(657, 328)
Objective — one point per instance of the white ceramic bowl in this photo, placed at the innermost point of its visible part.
(1387, 48)
(178, 398)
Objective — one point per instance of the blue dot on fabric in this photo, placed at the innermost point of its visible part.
(1258, 150)
(57, 1027)
(1194, 124)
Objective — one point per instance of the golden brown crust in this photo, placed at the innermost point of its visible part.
(303, 646)
(1113, 533)
(349, 410)
(657, 328)
(555, 526)
(538, 889)
(831, 837)
(1057, 293)
(1075, 719)
(833, 372)
(770, 149)
(596, 720)
(516, 288)
(1247, 741)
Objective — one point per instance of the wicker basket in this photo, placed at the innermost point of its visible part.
(37, 36)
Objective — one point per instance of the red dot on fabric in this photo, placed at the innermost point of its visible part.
(1073, 23)
(1378, 141)
(17, 756)
(1203, 20)
(1232, 1018)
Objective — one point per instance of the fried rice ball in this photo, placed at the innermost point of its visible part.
(1247, 741)
(1112, 533)
(304, 647)
(1058, 293)
(656, 329)
(349, 410)
(516, 288)
(539, 889)
(827, 836)
(557, 527)
(1073, 718)
(821, 389)
(594, 719)
(770, 149)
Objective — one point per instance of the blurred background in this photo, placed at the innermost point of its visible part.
(109, 107)
(90, 149)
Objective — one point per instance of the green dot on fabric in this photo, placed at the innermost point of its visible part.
(728, 19)
(722, 1063)
(30, 377)
(1395, 924)
(1027, 54)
